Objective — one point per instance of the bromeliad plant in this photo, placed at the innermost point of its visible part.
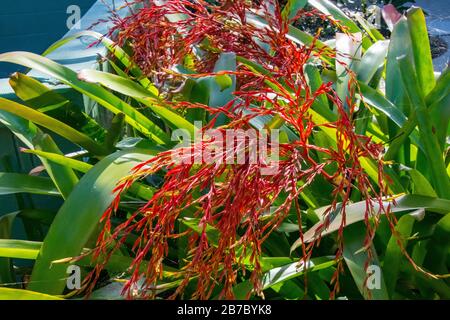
(173, 224)
(234, 199)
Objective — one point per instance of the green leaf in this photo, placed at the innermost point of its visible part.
(39, 97)
(438, 248)
(376, 100)
(356, 212)
(440, 118)
(296, 36)
(84, 207)
(394, 254)
(328, 8)
(95, 92)
(421, 185)
(6, 268)
(115, 131)
(292, 270)
(441, 89)
(62, 176)
(349, 51)
(356, 260)
(284, 273)
(112, 47)
(54, 125)
(18, 294)
(33, 137)
(373, 59)
(224, 81)
(219, 97)
(437, 102)
(400, 45)
(137, 188)
(117, 83)
(211, 232)
(11, 183)
(421, 49)
(19, 249)
(292, 7)
(132, 89)
(61, 160)
(428, 137)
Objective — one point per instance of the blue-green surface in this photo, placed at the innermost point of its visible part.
(32, 25)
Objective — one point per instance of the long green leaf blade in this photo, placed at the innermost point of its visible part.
(11, 183)
(83, 210)
(54, 125)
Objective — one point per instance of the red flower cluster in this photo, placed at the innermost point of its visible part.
(241, 204)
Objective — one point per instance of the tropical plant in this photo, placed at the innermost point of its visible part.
(361, 183)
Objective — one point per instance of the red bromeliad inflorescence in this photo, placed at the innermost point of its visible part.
(235, 199)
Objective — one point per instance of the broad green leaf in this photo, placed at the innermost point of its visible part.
(370, 282)
(349, 52)
(115, 131)
(421, 49)
(44, 217)
(137, 188)
(95, 92)
(371, 29)
(292, 270)
(376, 100)
(84, 207)
(438, 286)
(19, 249)
(297, 36)
(37, 96)
(117, 83)
(132, 89)
(437, 102)
(11, 183)
(19, 294)
(394, 255)
(430, 142)
(52, 124)
(62, 176)
(440, 118)
(284, 273)
(373, 59)
(33, 137)
(421, 185)
(356, 212)
(6, 226)
(438, 248)
(61, 160)
(441, 90)
(330, 9)
(224, 81)
(219, 97)
(114, 291)
(112, 47)
(212, 233)
(292, 7)
(400, 45)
